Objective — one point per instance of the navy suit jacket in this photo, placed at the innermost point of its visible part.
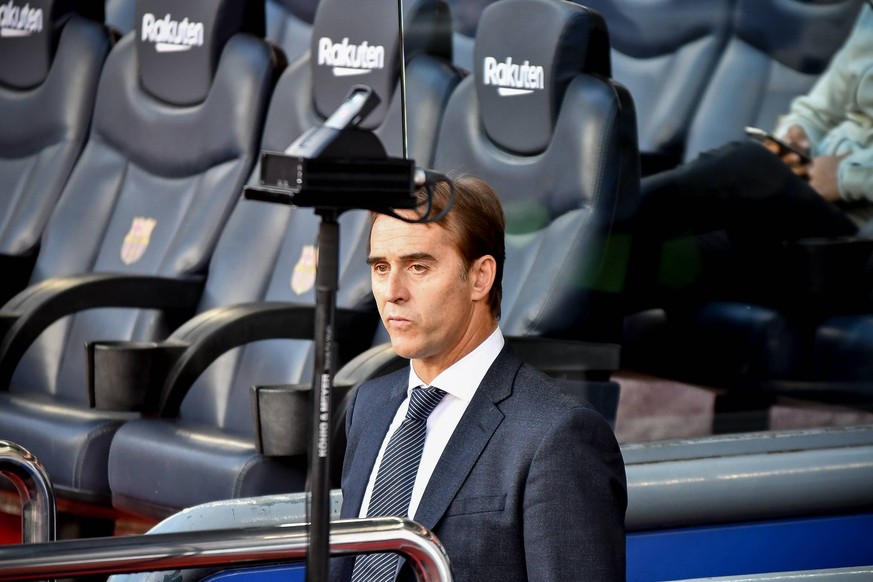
(531, 485)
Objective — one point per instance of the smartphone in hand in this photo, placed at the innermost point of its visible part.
(784, 148)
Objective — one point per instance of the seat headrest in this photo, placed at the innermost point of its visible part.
(356, 42)
(526, 53)
(29, 31)
(179, 44)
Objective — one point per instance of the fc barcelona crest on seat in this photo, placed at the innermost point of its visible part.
(303, 277)
(136, 241)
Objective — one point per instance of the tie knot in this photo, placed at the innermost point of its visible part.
(423, 401)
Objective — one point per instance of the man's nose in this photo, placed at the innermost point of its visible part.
(395, 287)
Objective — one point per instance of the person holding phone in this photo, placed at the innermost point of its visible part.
(741, 200)
(834, 121)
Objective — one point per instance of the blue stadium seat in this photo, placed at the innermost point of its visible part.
(542, 122)
(776, 51)
(176, 125)
(665, 53)
(261, 280)
(48, 79)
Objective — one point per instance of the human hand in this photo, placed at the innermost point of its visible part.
(795, 137)
(823, 176)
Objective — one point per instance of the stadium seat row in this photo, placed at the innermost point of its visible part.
(745, 62)
(151, 258)
(124, 160)
(699, 73)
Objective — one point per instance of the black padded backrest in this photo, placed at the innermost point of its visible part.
(532, 74)
(295, 109)
(777, 50)
(31, 32)
(664, 52)
(149, 195)
(359, 43)
(179, 43)
(43, 126)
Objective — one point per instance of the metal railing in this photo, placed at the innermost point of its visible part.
(38, 508)
(251, 546)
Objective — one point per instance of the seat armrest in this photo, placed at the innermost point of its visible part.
(24, 317)
(216, 331)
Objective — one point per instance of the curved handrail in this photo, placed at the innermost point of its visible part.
(145, 553)
(38, 508)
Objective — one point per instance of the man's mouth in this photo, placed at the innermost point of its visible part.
(397, 322)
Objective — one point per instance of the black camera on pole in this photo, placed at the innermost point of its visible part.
(338, 166)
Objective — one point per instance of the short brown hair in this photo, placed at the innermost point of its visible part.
(475, 223)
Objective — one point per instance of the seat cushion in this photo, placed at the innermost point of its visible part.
(71, 442)
(166, 465)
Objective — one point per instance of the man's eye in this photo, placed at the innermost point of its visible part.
(380, 268)
(418, 268)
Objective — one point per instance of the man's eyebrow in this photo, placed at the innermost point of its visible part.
(421, 256)
(418, 257)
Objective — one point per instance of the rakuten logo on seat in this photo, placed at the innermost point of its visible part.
(170, 35)
(511, 79)
(350, 59)
(19, 20)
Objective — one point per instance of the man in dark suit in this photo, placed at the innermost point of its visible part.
(518, 480)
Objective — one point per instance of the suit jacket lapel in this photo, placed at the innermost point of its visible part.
(472, 434)
(378, 414)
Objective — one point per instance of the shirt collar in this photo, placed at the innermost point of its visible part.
(462, 378)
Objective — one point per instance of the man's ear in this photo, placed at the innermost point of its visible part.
(482, 274)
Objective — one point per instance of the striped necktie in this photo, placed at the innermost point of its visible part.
(397, 471)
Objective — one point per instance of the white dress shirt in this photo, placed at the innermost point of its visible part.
(460, 382)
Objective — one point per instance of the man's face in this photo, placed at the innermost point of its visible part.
(425, 299)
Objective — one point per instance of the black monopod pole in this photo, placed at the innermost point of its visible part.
(327, 283)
